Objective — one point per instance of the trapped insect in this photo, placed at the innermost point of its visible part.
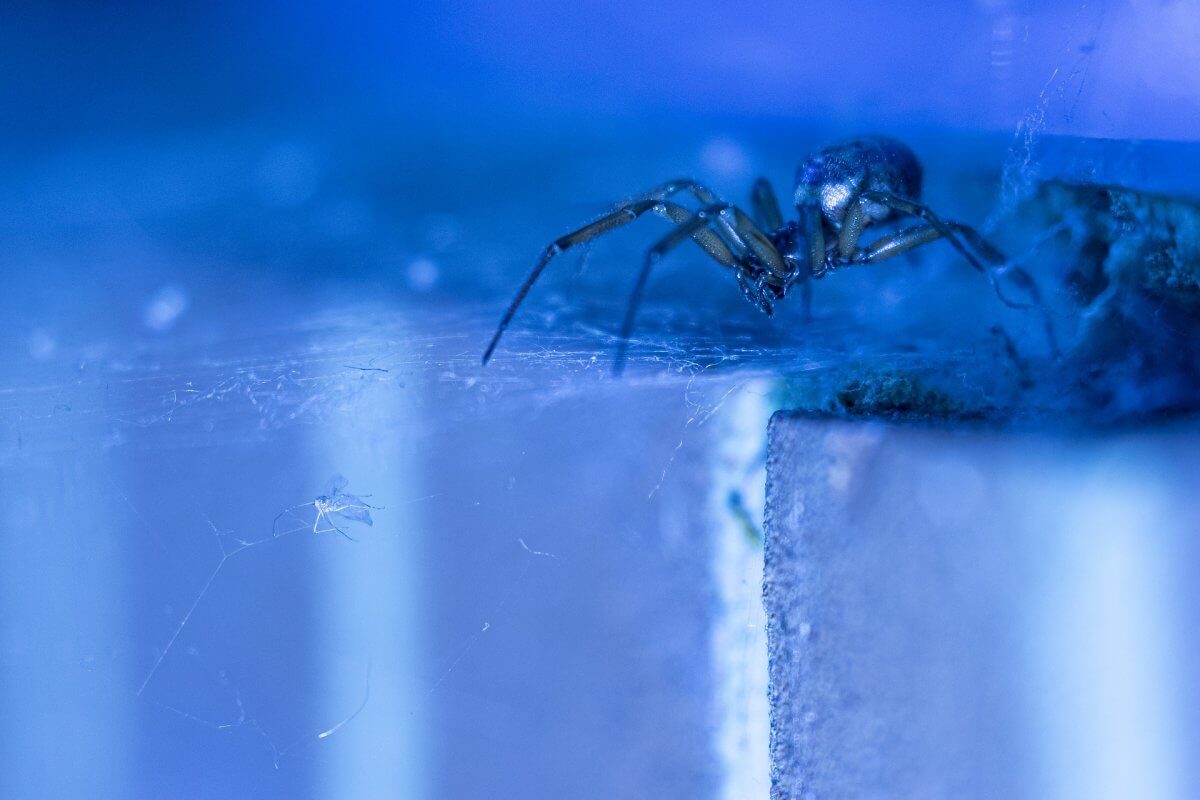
(840, 191)
(337, 504)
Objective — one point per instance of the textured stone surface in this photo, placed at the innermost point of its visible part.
(980, 614)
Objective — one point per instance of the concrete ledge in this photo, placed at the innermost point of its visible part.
(980, 614)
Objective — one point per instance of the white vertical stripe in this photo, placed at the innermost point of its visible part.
(69, 722)
(1107, 659)
(370, 607)
(739, 633)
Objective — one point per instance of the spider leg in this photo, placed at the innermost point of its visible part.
(738, 228)
(950, 230)
(757, 243)
(696, 228)
(767, 214)
(806, 295)
(713, 206)
(768, 267)
(812, 224)
(853, 222)
(813, 227)
(894, 244)
(767, 276)
(746, 237)
(765, 206)
(614, 219)
(698, 190)
(936, 228)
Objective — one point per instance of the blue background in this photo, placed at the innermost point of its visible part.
(248, 247)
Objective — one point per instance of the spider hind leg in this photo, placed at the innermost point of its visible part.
(980, 254)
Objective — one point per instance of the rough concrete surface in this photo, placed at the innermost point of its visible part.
(964, 613)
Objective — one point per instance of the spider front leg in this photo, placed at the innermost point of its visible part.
(665, 190)
(763, 274)
(733, 223)
(769, 217)
(738, 228)
(749, 245)
(695, 228)
(621, 216)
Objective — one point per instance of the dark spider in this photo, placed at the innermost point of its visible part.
(840, 191)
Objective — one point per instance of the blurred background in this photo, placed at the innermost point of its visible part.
(253, 247)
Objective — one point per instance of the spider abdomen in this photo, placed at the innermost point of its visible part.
(834, 176)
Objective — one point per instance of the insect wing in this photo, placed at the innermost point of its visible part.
(336, 484)
(352, 508)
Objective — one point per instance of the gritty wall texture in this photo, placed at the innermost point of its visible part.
(972, 613)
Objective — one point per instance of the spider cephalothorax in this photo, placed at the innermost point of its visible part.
(840, 191)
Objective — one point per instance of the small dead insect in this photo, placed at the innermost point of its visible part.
(335, 503)
(840, 191)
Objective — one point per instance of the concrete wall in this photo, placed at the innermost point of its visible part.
(979, 614)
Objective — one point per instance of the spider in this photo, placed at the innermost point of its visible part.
(840, 190)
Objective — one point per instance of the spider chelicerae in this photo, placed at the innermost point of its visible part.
(840, 191)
